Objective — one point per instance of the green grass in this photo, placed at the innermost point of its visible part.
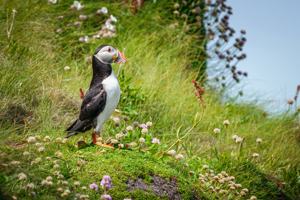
(38, 97)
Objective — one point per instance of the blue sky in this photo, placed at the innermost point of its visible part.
(272, 47)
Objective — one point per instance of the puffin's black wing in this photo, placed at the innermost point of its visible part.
(93, 103)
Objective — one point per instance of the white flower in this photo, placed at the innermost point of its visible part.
(37, 160)
(171, 152)
(144, 131)
(67, 191)
(44, 183)
(22, 176)
(255, 155)
(117, 111)
(50, 183)
(37, 137)
(253, 198)
(113, 141)
(14, 198)
(216, 130)
(58, 140)
(60, 176)
(59, 190)
(104, 10)
(179, 157)
(119, 136)
(259, 140)
(26, 153)
(41, 149)
(205, 167)
(84, 188)
(142, 140)
(86, 39)
(67, 68)
(133, 144)
(239, 140)
(148, 124)
(235, 137)
(116, 119)
(31, 140)
(109, 26)
(129, 128)
(49, 178)
(77, 184)
(65, 183)
(47, 138)
(53, 1)
(38, 145)
(226, 122)
(30, 186)
(65, 140)
(56, 166)
(121, 146)
(113, 18)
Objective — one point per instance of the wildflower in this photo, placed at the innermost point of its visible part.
(253, 198)
(32, 194)
(135, 124)
(290, 101)
(50, 183)
(53, 1)
(83, 17)
(14, 198)
(176, 5)
(99, 139)
(232, 178)
(116, 119)
(65, 183)
(76, 184)
(155, 140)
(38, 160)
(58, 140)
(59, 30)
(86, 39)
(243, 194)
(124, 131)
(55, 161)
(179, 157)
(238, 185)
(37, 137)
(113, 18)
(94, 186)
(30, 186)
(143, 126)
(191, 173)
(49, 178)
(73, 6)
(133, 144)
(60, 176)
(105, 197)
(176, 12)
(33, 162)
(77, 23)
(63, 195)
(47, 138)
(235, 137)
(44, 183)
(117, 124)
(205, 167)
(59, 155)
(259, 140)
(41, 149)
(31, 140)
(113, 141)
(142, 140)
(26, 153)
(144, 131)
(103, 151)
(216, 130)
(255, 155)
(22, 176)
(84, 188)
(82, 196)
(104, 10)
(125, 118)
(56, 166)
(59, 182)
(79, 7)
(109, 26)
(119, 136)
(171, 152)
(226, 122)
(65, 140)
(184, 16)
(67, 191)
(239, 140)
(99, 12)
(245, 190)
(121, 146)
(60, 17)
(148, 124)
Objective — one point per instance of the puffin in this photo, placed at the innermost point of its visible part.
(103, 95)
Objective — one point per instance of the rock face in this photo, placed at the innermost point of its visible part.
(159, 186)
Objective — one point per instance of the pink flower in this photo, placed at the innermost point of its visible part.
(96, 36)
(83, 17)
(104, 28)
(81, 39)
(73, 6)
(77, 23)
(79, 8)
(100, 32)
(69, 25)
(290, 101)
(143, 126)
(109, 20)
(88, 59)
(60, 17)
(94, 186)
(105, 35)
(99, 11)
(59, 30)
(155, 140)
(105, 197)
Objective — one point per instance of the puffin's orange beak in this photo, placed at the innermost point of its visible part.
(120, 58)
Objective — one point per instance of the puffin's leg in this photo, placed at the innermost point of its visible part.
(94, 138)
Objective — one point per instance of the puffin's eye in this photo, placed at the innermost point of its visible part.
(109, 50)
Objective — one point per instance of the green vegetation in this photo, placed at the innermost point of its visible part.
(39, 97)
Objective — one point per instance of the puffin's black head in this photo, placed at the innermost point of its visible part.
(108, 54)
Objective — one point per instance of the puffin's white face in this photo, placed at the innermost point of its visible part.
(109, 54)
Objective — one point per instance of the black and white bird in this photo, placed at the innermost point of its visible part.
(103, 96)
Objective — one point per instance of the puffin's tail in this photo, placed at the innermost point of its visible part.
(79, 126)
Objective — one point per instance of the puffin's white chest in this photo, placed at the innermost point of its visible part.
(112, 89)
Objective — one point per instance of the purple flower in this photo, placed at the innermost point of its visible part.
(83, 17)
(155, 140)
(73, 6)
(77, 23)
(105, 35)
(78, 195)
(79, 8)
(104, 28)
(99, 11)
(105, 182)
(143, 126)
(60, 17)
(94, 186)
(96, 36)
(221, 55)
(69, 25)
(109, 20)
(290, 101)
(106, 197)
